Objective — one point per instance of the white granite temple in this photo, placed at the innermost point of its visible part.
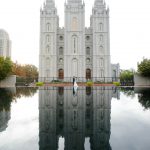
(75, 50)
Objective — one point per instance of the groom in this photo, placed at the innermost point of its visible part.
(73, 80)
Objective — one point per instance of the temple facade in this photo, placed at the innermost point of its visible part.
(74, 50)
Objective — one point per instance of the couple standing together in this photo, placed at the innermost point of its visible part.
(74, 82)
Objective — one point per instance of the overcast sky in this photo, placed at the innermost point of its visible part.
(129, 28)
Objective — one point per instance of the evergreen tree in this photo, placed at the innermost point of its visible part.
(144, 68)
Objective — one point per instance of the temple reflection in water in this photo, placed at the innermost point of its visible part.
(76, 116)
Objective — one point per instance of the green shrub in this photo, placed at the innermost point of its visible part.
(99, 82)
(116, 83)
(39, 84)
(56, 81)
(89, 83)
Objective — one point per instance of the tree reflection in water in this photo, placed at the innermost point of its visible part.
(7, 95)
(128, 91)
(25, 92)
(5, 99)
(144, 97)
(143, 94)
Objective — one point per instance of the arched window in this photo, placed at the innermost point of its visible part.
(48, 27)
(61, 38)
(74, 24)
(88, 51)
(61, 60)
(74, 44)
(47, 72)
(101, 73)
(61, 51)
(47, 49)
(48, 38)
(101, 62)
(88, 60)
(100, 26)
(74, 67)
(101, 49)
(48, 62)
(101, 38)
(87, 37)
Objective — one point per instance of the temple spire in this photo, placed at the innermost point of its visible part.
(74, 1)
(49, 7)
(99, 2)
(102, 1)
(50, 3)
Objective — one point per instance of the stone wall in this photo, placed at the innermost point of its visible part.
(141, 81)
(9, 81)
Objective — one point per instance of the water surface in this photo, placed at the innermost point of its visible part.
(99, 118)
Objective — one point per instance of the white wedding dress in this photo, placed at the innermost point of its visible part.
(75, 84)
(75, 87)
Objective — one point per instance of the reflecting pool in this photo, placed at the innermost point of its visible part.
(57, 118)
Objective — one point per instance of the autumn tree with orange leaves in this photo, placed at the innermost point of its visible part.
(25, 71)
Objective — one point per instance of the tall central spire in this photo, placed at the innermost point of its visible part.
(74, 1)
(50, 3)
(99, 2)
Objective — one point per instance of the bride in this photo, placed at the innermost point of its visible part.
(75, 86)
(74, 82)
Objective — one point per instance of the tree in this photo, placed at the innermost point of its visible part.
(126, 75)
(144, 68)
(26, 73)
(18, 70)
(31, 71)
(5, 67)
